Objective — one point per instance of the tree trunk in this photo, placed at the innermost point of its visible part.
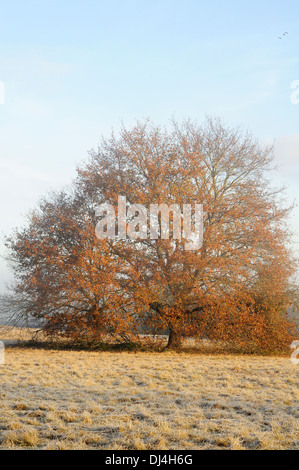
(174, 339)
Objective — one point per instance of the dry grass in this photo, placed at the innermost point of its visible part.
(82, 400)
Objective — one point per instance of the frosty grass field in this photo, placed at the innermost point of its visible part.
(52, 399)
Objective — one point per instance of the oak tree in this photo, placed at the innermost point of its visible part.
(234, 287)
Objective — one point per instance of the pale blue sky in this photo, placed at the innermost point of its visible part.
(75, 69)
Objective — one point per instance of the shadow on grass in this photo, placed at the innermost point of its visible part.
(30, 338)
(75, 346)
(135, 347)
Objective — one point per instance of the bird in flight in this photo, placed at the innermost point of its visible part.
(284, 34)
